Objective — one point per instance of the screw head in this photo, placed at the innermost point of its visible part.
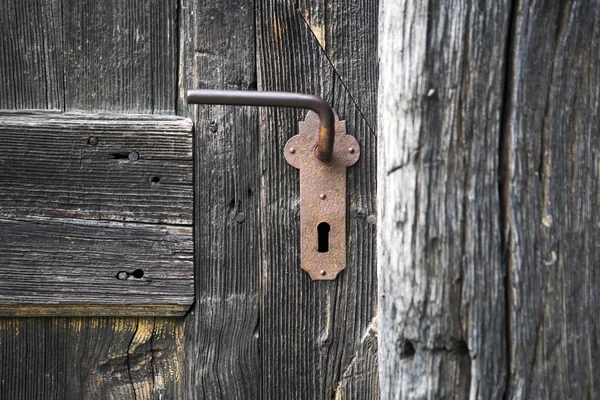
(322, 196)
(351, 150)
(133, 156)
(122, 275)
(292, 150)
(93, 140)
(323, 272)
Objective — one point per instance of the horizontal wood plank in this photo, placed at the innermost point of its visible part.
(48, 167)
(84, 198)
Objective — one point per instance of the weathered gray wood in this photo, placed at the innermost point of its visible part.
(120, 56)
(90, 358)
(347, 32)
(72, 216)
(60, 266)
(106, 61)
(551, 200)
(49, 168)
(222, 331)
(442, 293)
(31, 54)
(316, 337)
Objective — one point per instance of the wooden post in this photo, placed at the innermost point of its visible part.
(441, 271)
(488, 190)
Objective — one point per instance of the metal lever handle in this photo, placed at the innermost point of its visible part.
(275, 99)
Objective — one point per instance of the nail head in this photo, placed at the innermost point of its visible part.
(292, 150)
(323, 196)
(93, 140)
(351, 150)
(133, 156)
(122, 275)
(323, 272)
(240, 217)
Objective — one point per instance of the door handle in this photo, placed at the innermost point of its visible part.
(275, 99)
(322, 150)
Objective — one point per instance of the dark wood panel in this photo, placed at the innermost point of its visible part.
(442, 271)
(31, 55)
(76, 209)
(552, 193)
(222, 334)
(50, 167)
(120, 56)
(347, 32)
(89, 358)
(313, 334)
(53, 266)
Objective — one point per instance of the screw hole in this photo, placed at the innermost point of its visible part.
(122, 275)
(138, 274)
(155, 179)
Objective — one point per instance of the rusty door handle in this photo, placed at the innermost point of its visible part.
(275, 99)
(322, 164)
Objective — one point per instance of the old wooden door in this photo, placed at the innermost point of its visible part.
(258, 327)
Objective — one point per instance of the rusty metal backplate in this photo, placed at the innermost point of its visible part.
(322, 197)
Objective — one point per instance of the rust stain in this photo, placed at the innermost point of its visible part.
(322, 197)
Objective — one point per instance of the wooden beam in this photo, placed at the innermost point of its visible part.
(440, 261)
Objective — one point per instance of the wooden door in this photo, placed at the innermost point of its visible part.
(258, 327)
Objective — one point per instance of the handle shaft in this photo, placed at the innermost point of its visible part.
(275, 99)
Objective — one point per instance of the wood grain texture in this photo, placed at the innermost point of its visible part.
(72, 216)
(222, 335)
(49, 168)
(90, 358)
(120, 56)
(31, 55)
(442, 275)
(347, 33)
(552, 197)
(314, 335)
(54, 266)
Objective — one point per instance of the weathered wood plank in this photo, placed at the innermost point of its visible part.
(31, 55)
(552, 200)
(316, 339)
(50, 167)
(70, 267)
(222, 337)
(442, 305)
(72, 216)
(88, 358)
(120, 56)
(347, 32)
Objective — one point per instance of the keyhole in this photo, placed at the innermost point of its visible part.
(323, 230)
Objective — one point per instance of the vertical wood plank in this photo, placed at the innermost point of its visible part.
(347, 32)
(552, 198)
(120, 56)
(313, 334)
(440, 258)
(31, 55)
(222, 343)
